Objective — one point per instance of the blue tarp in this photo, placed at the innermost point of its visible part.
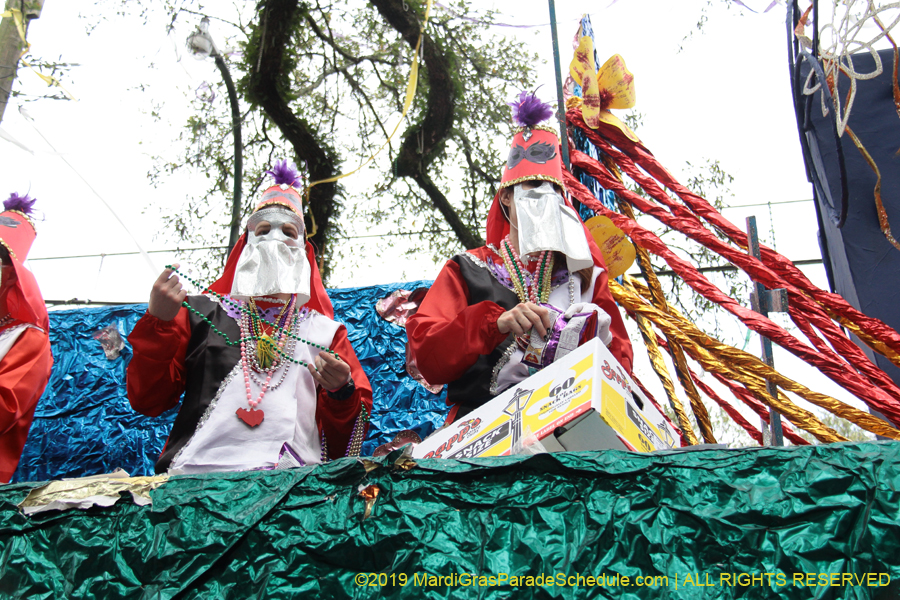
(84, 425)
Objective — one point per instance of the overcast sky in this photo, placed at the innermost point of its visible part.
(725, 96)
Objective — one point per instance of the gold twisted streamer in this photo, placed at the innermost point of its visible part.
(703, 355)
(750, 367)
(659, 367)
(756, 385)
(752, 372)
(681, 366)
(874, 344)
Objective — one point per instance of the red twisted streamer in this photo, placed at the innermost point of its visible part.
(846, 378)
(645, 159)
(801, 305)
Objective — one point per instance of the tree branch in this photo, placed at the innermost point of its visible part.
(329, 39)
(426, 139)
(268, 86)
(465, 235)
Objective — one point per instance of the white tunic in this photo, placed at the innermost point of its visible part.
(223, 442)
(8, 337)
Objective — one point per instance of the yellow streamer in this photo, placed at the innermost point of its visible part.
(659, 367)
(16, 15)
(874, 344)
(749, 370)
(658, 299)
(407, 103)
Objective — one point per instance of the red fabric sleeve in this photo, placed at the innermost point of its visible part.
(337, 417)
(446, 335)
(24, 373)
(156, 376)
(620, 347)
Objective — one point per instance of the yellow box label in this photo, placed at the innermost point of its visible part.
(639, 433)
(536, 412)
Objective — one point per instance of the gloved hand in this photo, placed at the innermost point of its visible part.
(603, 319)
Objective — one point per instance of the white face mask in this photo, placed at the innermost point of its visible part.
(546, 223)
(273, 262)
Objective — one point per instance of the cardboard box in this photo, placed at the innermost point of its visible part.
(587, 378)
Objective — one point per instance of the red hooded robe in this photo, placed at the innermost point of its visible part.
(157, 375)
(25, 365)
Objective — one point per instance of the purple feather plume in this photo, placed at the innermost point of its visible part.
(285, 173)
(21, 203)
(528, 110)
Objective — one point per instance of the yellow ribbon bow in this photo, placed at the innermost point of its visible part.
(610, 87)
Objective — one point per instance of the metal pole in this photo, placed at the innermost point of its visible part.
(760, 301)
(235, 232)
(561, 104)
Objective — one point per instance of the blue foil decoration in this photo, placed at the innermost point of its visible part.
(84, 425)
(399, 402)
(607, 197)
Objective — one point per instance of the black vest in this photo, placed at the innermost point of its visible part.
(474, 388)
(207, 362)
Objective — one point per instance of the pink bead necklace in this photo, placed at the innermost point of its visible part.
(254, 416)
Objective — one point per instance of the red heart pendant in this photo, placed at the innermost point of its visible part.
(251, 417)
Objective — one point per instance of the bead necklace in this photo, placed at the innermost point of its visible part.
(539, 290)
(271, 300)
(288, 351)
(6, 320)
(354, 446)
(266, 357)
(241, 307)
(254, 416)
(250, 362)
(270, 351)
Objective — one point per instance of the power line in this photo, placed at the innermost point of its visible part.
(356, 237)
(105, 254)
(401, 233)
(341, 237)
(766, 204)
(728, 268)
(77, 302)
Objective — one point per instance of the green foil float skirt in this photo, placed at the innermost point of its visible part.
(705, 524)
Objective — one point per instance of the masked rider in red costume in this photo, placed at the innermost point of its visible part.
(25, 358)
(269, 379)
(470, 328)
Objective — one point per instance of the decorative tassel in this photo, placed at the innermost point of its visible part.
(528, 110)
(285, 173)
(22, 204)
(266, 351)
